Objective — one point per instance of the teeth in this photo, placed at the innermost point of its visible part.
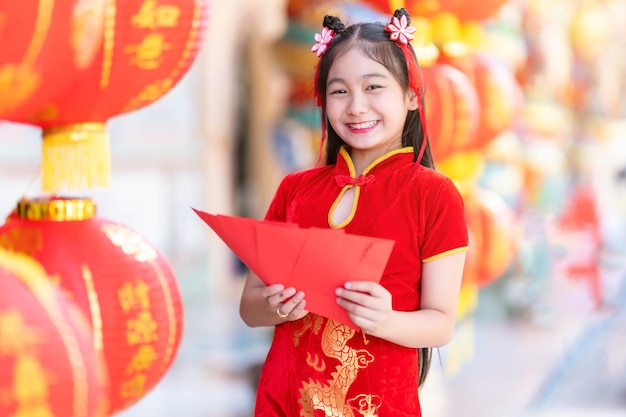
(364, 125)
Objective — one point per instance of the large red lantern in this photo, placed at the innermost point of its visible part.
(121, 282)
(499, 95)
(452, 109)
(43, 45)
(148, 46)
(492, 224)
(48, 363)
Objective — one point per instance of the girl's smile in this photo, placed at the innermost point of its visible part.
(363, 127)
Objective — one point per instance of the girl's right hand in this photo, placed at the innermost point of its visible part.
(269, 305)
(287, 303)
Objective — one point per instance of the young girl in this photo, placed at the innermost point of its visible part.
(378, 180)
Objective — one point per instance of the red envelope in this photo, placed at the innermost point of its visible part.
(313, 260)
(278, 252)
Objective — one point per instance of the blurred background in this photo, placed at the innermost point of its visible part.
(526, 103)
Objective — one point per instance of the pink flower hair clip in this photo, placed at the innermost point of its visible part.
(323, 40)
(400, 31)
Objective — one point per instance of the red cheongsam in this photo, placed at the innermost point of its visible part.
(319, 367)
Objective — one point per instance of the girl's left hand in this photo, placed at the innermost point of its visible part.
(368, 304)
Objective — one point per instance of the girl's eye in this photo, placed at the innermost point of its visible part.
(374, 87)
(338, 92)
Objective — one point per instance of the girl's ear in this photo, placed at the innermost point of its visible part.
(413, 102)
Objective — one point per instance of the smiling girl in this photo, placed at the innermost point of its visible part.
(379, 180)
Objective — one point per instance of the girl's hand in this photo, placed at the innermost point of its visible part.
(368, 304)
(286, 303)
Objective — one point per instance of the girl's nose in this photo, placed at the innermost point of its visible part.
(358, 104)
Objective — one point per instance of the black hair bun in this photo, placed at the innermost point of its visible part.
(402, 12)
(333, 23)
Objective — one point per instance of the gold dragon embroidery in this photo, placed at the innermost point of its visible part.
(332, 396)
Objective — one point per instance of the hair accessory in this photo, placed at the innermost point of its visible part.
(399, 30)
(323, 40)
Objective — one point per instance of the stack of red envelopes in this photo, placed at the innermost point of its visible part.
(313, 260)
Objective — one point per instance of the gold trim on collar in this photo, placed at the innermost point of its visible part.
(346, 156)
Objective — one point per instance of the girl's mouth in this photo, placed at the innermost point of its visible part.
(363, 125)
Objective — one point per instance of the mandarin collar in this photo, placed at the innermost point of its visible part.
(345, 172)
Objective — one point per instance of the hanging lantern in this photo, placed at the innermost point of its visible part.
(468, 296)
(148, 46)
(500, 96)
(590, 27)
(452, 109)
(43, 45)
(465, 10)
(122, 283)
(48, 363)
(462, 166)
(293, 53)
(492, 224)
(414, 7)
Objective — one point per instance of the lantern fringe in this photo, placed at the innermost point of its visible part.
(75, 156)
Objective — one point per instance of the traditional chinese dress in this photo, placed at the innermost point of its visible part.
(319, 367)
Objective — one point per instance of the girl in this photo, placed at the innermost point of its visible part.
(378, 180)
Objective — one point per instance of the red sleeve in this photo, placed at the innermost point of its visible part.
(445, 230)
(278, 206)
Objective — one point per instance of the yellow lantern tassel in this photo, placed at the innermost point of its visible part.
(75, 156)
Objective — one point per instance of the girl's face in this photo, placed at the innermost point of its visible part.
(366, 105)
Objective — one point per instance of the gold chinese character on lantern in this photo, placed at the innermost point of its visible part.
(134, 296)
(142, 360)
(141, 329)
(134, 387)
(30, 382)
(15, 337)
(150, 93)
(20, 81)
(153, 16)
(130, 242)
(25, 240)
(149, 53)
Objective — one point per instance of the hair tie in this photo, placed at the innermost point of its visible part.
(399, 30)
(323, 40)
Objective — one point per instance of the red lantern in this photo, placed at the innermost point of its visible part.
(423, 8)
(492, 225)
(148, 46)
(500, 96)
(122, 283)
(426, 8)
(43, 45)
(465, 10)
(299, 10)
(48, 364)
(452, 109)
(479, 10)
